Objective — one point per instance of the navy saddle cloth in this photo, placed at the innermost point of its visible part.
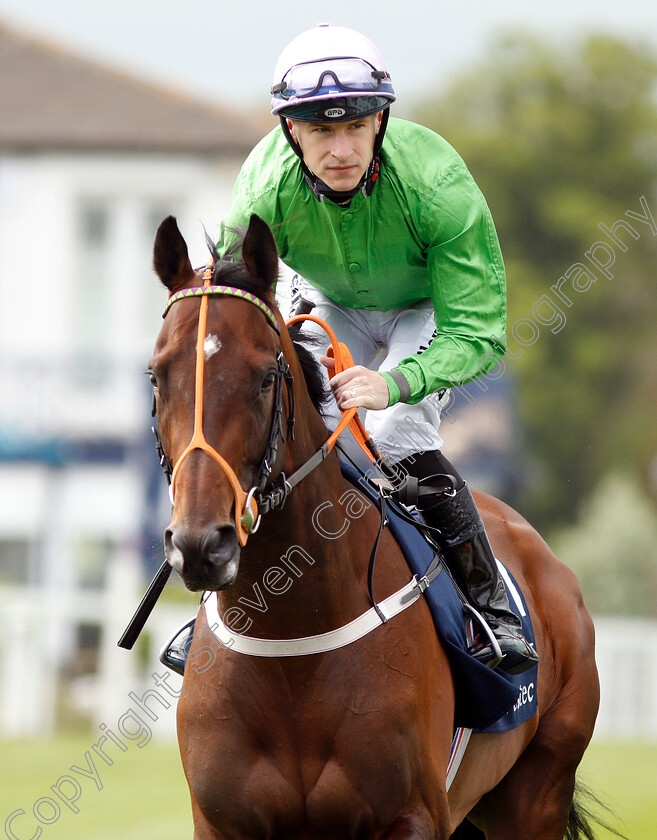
(486, 700)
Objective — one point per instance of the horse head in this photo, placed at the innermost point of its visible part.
(216, 374)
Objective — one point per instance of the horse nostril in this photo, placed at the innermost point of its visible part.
(204, 557)
(173, 555)
(214, 544)
(221, 543)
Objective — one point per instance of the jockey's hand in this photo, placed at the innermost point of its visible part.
(357, 386)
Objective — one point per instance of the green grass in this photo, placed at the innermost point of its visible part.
(624, 777)
(144, 793)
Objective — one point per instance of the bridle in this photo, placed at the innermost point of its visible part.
(261, 498)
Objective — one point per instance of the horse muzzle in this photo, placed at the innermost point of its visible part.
(205, 558)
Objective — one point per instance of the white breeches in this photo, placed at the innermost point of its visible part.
(379, 341)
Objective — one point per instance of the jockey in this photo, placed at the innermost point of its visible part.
(394, 245)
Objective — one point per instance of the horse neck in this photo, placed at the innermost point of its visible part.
(294, 580)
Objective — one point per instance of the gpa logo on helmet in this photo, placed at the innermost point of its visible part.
(335, 113)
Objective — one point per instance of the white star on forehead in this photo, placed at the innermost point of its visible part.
(211, 345)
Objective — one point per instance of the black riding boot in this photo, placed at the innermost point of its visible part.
(446, 503)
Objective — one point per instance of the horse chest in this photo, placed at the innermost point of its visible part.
(310, 768)
(273, 795)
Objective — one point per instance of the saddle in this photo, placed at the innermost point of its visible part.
(486, 700)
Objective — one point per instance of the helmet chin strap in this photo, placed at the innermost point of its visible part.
(322, 191)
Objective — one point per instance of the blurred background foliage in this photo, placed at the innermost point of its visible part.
(613, 549)
(561, 139)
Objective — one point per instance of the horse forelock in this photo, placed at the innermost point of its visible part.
(230, 273)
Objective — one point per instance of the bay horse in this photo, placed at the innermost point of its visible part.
(352, 742)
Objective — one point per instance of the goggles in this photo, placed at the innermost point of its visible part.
(317, 79)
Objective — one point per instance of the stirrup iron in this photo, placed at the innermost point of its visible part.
(175, 652)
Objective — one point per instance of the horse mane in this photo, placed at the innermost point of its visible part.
(319, 394)
(231, 272)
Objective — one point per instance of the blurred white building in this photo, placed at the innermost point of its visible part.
(91, 160)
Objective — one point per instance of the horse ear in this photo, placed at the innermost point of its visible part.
(170, 256)
(260, 254)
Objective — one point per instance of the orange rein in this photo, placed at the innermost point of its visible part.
(246, 507)
(343, 360)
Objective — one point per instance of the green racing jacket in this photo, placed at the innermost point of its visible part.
(424, 232)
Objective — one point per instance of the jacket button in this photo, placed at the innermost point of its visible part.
(354, 266)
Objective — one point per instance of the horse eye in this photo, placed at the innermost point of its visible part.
(268, 382)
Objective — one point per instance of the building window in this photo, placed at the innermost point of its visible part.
(17, 562)
(94, 225)
(151, 294)
(91, 556)
(91, 319)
